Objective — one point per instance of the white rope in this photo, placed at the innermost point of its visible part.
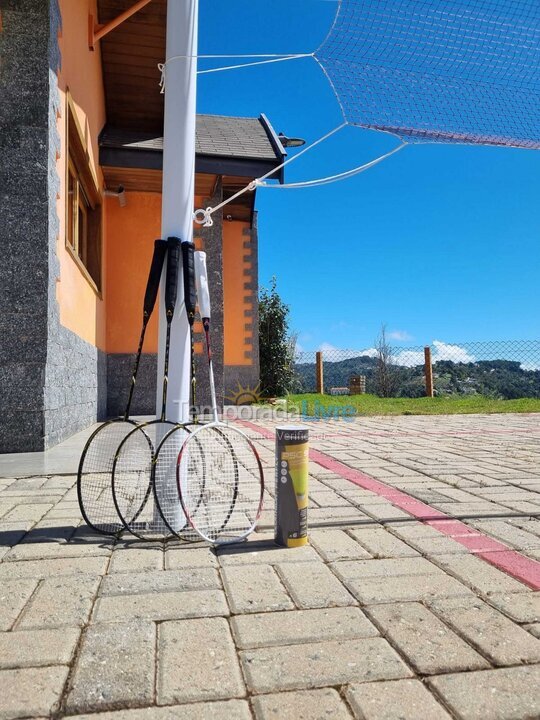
(204, 217)
(273, 59)
(334, 178)
(251, 64)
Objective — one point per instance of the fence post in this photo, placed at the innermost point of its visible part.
(319, 372)
(428, 371)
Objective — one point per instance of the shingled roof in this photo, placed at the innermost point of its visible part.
(217, 135)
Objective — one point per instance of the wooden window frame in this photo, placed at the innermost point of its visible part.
(79, 167)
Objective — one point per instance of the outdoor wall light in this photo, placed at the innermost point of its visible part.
(120, 194)
(290, 141)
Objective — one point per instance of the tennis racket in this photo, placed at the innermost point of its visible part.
(95, 467)
(133, 462)
(219, 474)
(164, 471)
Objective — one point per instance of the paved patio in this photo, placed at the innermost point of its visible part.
(415, 599)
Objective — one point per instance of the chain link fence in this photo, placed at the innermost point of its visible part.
(500, 369)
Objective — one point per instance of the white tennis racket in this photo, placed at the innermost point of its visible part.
(219, 472)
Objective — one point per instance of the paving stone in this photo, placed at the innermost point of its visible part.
(46, 550)
(14, 594)
(254, 588)
(388, 568)
(478, 574)
(313, 585)
(501, 694)
(159, 581)
(31, 692)
(222, 710)
(382, 544)
(534, 629)
(428, 644)
(136, 559)
(33, 648)
(12, 533)
(300, 626)
(336, 545)
(440, 545)
(181, 557)
(494, 635)
(197, 661)
(52, 568)
(28, 512)
(394, 700)
(303, 705)
(509, 534)
(60, 601)
(405, 587)
(265, 552)
(521, 607)
(328, 498)
(115, 667)
(161, 606)
(297, 667)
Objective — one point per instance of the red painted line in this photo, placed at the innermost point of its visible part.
(492, 551)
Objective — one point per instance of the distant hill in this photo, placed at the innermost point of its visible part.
(504, 379)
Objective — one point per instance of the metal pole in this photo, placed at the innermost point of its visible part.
(178, 188)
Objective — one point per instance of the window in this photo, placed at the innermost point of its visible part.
(83, 204)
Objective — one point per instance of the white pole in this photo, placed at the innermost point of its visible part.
(178, 190)
(177, 208)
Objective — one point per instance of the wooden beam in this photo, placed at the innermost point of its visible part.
(96, 31)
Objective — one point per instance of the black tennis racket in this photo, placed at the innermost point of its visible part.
(133, 463)
(164, 471)
(95, 467)
(219, 474)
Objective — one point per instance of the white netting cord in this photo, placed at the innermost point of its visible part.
(203, 216)
(335, 178)
(274, 58)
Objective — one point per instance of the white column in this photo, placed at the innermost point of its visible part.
(178, 190)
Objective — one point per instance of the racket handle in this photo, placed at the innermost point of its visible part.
(201, 277)
(156, 268)
(190, 291)
(171, 284)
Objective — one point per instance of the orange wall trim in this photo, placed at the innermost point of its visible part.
(82, 309)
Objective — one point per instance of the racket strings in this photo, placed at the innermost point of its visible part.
(132, 481)
(222, 503)
(165, 486)
(94, 477)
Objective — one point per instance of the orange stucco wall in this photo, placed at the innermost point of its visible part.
(236, 271)
(131, 231)
(82, 310)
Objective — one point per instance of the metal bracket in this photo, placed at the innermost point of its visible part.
(97, 31)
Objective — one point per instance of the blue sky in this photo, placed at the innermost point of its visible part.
(440, 242)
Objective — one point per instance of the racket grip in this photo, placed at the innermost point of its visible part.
(190, 291)
(154, 277)
(171, 285)
(201, 277)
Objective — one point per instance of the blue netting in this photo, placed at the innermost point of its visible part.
(461, 71)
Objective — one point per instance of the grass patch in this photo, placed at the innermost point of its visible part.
(341, 405)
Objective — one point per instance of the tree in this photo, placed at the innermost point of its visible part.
(276, 346)
(385, 374)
